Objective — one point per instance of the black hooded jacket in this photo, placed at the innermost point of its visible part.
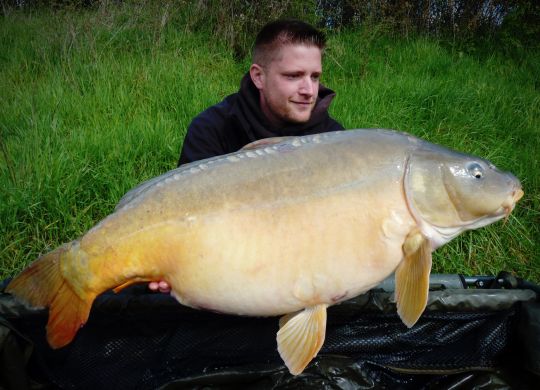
(238, 120)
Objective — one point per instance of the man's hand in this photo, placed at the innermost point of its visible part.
(161, 286)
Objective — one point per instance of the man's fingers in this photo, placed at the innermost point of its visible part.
(161, 286)
(164, 287)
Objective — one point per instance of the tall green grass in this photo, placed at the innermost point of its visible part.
(93, 102)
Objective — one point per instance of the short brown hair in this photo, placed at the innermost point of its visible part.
(284, 32)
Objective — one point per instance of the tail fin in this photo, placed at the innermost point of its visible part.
(43, 285)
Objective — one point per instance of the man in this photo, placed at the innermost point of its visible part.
(279, 96)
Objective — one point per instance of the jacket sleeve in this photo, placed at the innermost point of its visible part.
(202, 138)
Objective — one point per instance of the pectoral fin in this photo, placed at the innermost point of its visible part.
(301, 336)
(412, 278)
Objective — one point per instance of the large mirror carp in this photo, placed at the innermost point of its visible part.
(284, 227)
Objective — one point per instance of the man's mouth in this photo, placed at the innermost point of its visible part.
(307, 104)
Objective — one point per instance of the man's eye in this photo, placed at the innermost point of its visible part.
(316, 77)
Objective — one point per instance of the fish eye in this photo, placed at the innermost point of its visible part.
(475, 170)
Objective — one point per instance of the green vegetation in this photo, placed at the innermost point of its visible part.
(94, 101)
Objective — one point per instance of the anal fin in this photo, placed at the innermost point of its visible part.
(301, 337)
(412, 278)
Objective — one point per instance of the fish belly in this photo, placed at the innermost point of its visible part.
(282, 257)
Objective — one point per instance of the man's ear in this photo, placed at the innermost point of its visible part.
(257, 75)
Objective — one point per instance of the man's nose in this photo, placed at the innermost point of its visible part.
(307, 87)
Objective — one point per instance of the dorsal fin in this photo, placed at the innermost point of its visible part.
(263, 143)
(141, 188)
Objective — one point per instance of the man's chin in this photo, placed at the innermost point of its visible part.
(298, 119)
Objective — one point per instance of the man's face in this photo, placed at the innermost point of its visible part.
(289, 84)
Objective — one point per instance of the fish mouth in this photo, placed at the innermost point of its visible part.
(518, 194)
(447, 233)
(510, 202)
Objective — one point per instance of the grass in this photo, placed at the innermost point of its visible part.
(93, 102)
